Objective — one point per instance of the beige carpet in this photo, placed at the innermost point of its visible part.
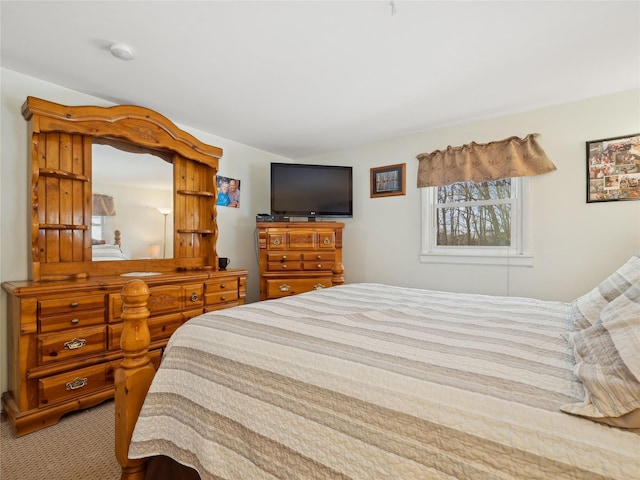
(80, 446)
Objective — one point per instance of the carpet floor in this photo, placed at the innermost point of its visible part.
(80, 446)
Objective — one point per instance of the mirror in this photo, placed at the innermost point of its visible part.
(62, 184)
(140, 184)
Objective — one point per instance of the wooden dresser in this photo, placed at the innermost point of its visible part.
(64, 322)
(65, 336)
(297, 257)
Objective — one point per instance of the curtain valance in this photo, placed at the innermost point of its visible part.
(103, 205)
(511, 157)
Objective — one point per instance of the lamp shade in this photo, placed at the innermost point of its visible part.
(103, 205)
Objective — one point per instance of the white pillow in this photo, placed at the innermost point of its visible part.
(608, 363)
(585, 310)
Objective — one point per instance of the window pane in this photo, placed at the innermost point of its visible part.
(471, 191)
(96, 227)
(488, 225)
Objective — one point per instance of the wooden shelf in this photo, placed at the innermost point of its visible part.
(50, 172)
(198, 231)
(60, 226)
(196, 194)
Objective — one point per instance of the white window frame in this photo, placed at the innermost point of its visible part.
(517, 254)
(97, 226)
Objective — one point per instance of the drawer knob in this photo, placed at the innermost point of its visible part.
(74, 304)
(75, 321)
(194, 297)
(318, 286)
(284, 287)
(284, 265)
(284, 257)
(77, 383)
(326, 241)
(319, 257)
(223, 285)
(223, 298)
(74, 344)
(319, 266)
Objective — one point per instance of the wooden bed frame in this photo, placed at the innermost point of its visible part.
(117, 239)
(133, 376)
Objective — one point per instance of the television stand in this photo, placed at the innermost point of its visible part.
(296, 257)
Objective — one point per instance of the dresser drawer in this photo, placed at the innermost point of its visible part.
(277, 240)
(284, 287)
(75, 319)
(165, 298)
(317, 265)
(193, 296)
(287, 266)
(303, 239)
(220, 291)
(221, 285)
(75, 343)
(284, 261)
(215, 298)
(74, 384)
(69, 304)
(319, 256)
(284, 257)
(160, 327)
(326, 239)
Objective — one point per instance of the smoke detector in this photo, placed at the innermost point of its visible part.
(121, 51)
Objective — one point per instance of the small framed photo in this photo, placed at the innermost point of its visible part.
(613, 169)
(388, 181)
(228, 192)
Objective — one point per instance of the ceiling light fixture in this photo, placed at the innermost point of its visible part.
(121, 51)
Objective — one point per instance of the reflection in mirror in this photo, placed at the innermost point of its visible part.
(139, 184)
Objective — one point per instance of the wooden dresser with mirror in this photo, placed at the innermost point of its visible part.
(64, 322)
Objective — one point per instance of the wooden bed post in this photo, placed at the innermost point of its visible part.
(133, 376)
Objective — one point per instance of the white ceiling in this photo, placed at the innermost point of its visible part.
(299, 78)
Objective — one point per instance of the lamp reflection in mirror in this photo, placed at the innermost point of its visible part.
(154, 251)
(164, 211)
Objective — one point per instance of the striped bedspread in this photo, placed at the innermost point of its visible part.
(369, 381)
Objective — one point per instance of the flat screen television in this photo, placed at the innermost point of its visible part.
(299, 190)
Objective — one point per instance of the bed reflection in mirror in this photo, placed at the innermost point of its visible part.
(137, 184)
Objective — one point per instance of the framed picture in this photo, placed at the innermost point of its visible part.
(388, 181)
(228, 192)
(613, 169)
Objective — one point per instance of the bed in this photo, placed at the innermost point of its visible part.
(370, 381)
(101, 251)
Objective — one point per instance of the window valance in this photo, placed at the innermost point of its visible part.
(511, 157)
(103, 205)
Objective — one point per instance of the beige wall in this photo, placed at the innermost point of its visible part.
(575, 244)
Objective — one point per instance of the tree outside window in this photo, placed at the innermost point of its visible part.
(474, 214)
(483, 222)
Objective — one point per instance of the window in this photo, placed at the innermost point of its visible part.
(96, 226)
(482, 223)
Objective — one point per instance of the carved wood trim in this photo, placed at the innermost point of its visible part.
(137, 125)
(61, 186)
